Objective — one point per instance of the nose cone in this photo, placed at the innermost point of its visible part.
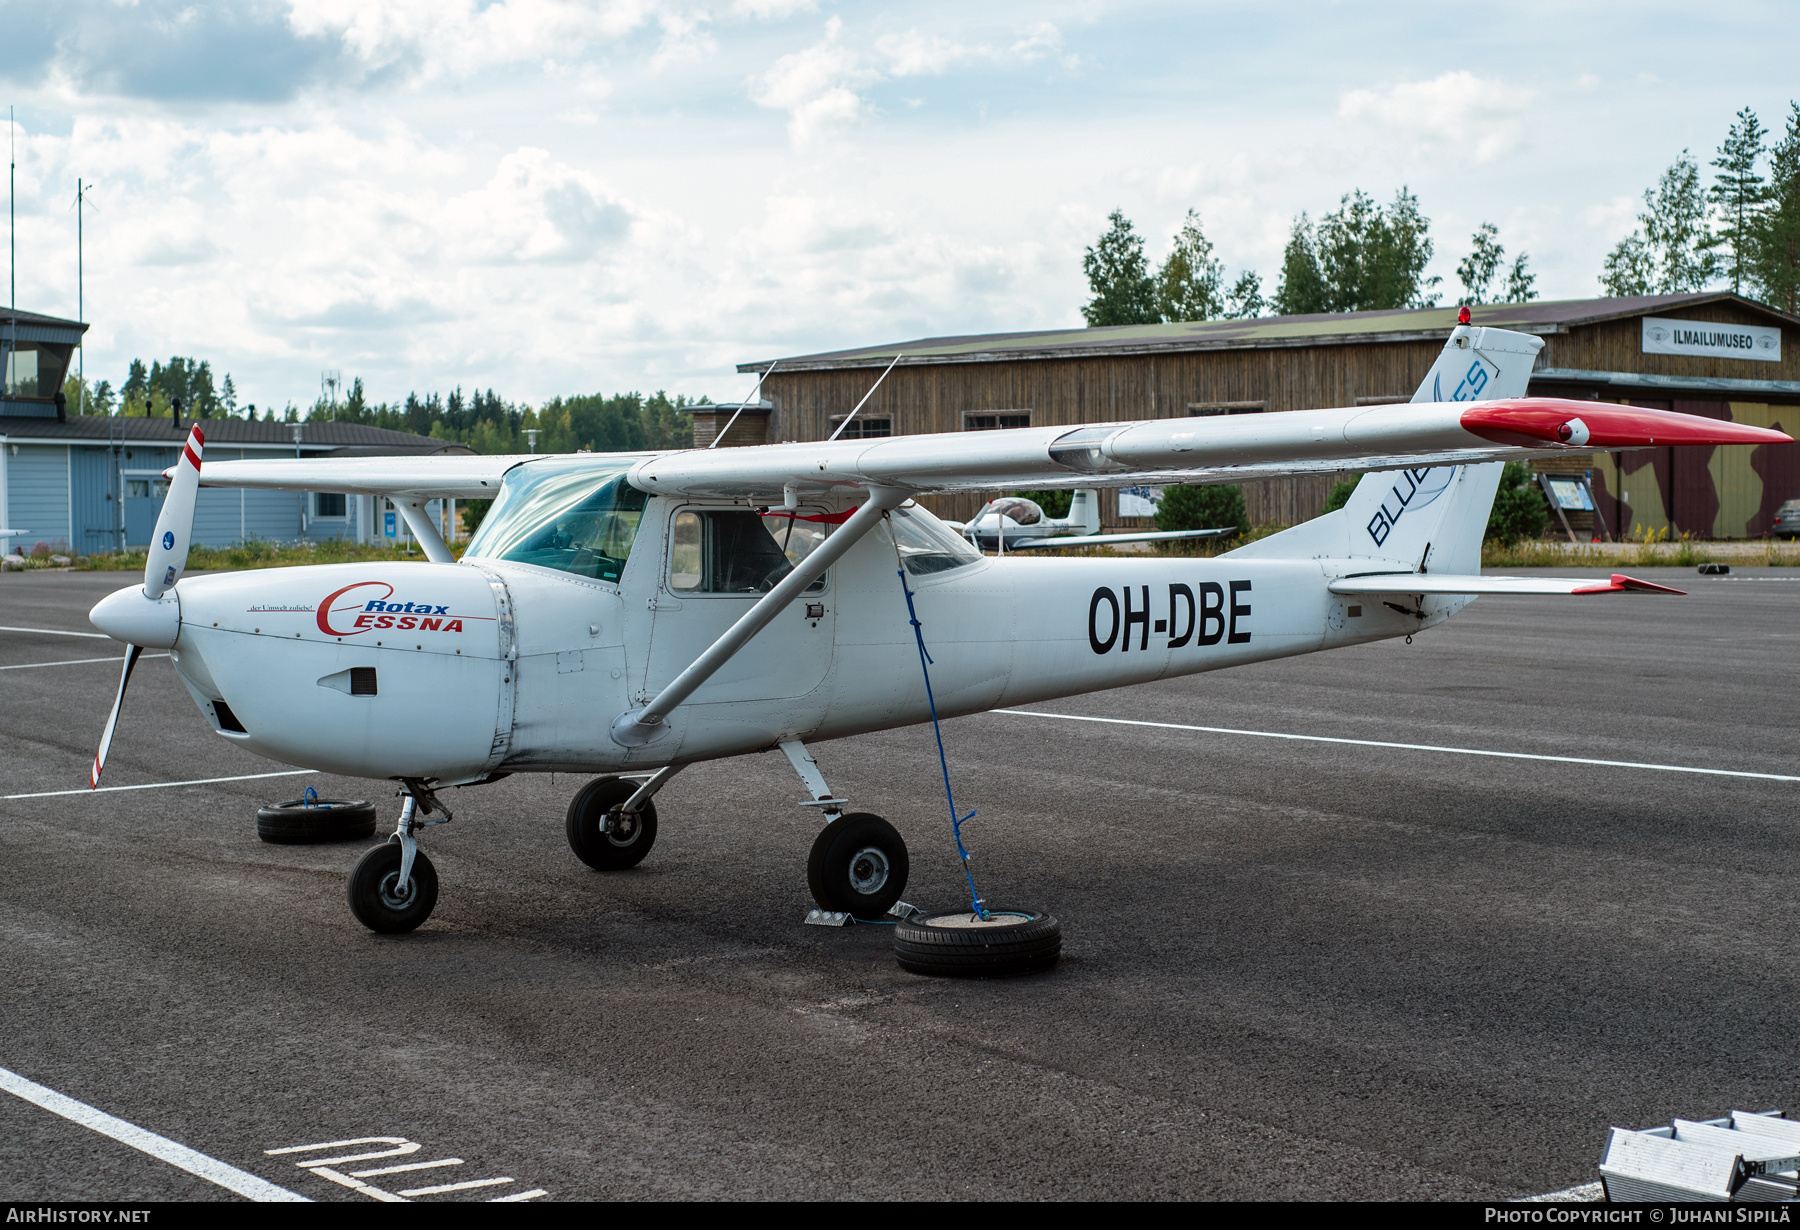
(129, 616)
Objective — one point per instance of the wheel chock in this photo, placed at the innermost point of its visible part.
(828, 918)
(904, 910)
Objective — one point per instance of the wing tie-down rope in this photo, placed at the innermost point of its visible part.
(975, 902)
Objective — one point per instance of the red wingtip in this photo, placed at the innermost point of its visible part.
(1549, 422)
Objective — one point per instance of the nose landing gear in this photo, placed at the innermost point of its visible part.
(394, 887)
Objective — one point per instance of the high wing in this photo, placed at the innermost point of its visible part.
(457, 477)
(1376, 584)
(1190, 450)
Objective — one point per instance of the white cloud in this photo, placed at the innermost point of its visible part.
(460, 36)
(823, 87)
(1481, 119)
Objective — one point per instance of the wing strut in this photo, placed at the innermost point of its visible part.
(635, 728)
(418, 520)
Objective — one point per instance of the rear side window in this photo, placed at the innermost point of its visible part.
(734, 551)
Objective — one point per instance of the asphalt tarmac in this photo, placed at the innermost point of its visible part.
(1292, 969)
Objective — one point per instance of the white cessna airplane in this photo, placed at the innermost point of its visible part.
(629, 614)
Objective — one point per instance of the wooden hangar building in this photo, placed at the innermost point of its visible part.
(1713, 354)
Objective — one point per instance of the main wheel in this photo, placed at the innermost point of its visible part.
(378, 899)
(960, 943)
(296, 823)
(858, 866)
(601, 833)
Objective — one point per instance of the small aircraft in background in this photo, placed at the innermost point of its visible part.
(1015, 523)
(628, 614)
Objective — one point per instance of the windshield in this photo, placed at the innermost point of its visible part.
(570, 515)
(926, 544)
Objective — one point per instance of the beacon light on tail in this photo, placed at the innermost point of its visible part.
(630, 614)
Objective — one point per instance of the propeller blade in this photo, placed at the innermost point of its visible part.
(175, 527)
(132, 653)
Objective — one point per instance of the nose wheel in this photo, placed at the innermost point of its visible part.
(382, 901)
(858, 866)
(394, 887)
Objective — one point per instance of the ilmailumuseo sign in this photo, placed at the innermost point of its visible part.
(1711, 339)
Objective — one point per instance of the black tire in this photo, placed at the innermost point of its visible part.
(601, 834)
(374, 898)
(1014, 942)
(858, 866)
(326, 820)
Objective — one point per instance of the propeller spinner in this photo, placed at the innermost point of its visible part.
(151, 616)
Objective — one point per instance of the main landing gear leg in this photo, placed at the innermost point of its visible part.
(394, 887)
(858, 865)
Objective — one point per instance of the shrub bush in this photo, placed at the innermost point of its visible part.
(1519, 508)
(1201, 508)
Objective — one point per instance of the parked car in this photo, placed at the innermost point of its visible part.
(1787, 520)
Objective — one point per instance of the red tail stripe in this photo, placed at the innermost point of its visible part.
(191, 456)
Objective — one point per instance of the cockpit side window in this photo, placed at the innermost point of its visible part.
(735, 551)
(569, 518)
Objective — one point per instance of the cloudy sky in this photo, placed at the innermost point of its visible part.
(548, 197)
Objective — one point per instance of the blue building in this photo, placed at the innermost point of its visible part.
(83, 484)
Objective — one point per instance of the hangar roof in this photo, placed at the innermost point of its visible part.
(314, 434)
(1325, 329)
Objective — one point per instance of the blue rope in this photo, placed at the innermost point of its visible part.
(975, 902)
(309, 798)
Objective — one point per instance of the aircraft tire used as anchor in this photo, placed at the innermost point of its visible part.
(380, 902)
(963, 944)
(315, 821)
(601, 833)
(858, 866)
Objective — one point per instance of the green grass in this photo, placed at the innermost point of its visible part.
(254, 553)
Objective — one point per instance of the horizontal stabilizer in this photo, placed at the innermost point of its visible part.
(1108, 540)
(1444, 583)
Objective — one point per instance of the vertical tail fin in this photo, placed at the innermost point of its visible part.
(1431, 518)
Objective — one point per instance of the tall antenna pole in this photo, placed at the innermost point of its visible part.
(12, 230)
(80, 306)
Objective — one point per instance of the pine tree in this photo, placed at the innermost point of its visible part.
(1119, 278)
(1740, 193)
(1775, 262)
(1188, 284)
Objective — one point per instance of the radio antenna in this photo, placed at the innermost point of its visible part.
(753, 397)
(865, 398)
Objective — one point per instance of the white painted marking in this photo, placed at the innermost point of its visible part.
(160, 1147)
(99, 636)
(31, 666)
(198, 781)
(401, 1147)
(370, 1174)
(1587, 1192)
(357, 1185)
(533, 1194)
(1407, 747)
(454, 1187)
